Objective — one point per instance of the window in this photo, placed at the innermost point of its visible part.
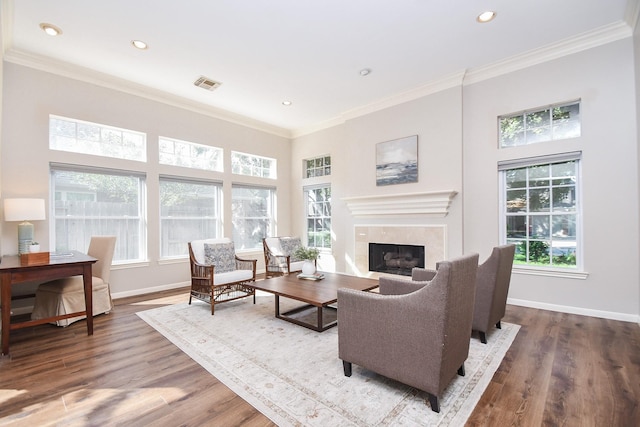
(318, 216)
(101, 140)
(541, 210)
(88, 202)
(253, 213)
(189, 210)
(250, 165)
(559, 121)
(319, 166)
(190, 155)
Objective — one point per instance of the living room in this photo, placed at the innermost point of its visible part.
(455, 120)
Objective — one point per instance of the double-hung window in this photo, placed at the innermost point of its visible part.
(541, 210)
(91, 201)
(318, 214)
(189, 210)
(253, 215)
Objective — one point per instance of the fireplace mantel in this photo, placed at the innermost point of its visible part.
(431, 203)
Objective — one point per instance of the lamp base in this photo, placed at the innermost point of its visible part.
(25, 237)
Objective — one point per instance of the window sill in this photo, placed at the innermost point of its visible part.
(565, 274)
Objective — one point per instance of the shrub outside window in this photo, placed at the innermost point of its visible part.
(319, 216)
(91, 138)
(88, 202)
(555, 122)
(189, 155)
(250, 165)
(189, 210)
(318, 166)
(542, 213)
(253, 213)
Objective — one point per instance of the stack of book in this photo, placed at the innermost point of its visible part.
(314, 276)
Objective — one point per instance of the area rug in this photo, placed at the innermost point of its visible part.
(293, 375)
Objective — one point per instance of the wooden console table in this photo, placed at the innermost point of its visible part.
(12, 272)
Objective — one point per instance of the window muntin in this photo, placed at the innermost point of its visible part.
(318, 166)
(250, 165)
(318, 214)
(542, 212)
(190, 155)
(189, 210)
(88, 202)
(101, 140)
(558, 121)
(252, 215)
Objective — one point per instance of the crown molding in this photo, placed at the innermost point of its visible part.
(86, 75)
(631, 13)
(582, 42)
(430, 203)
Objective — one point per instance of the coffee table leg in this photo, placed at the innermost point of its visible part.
(278, 306)
(320, 322)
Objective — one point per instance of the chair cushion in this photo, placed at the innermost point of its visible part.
(197, 246)
(273, 243)
(231, 276)
(289, 246)
(222, 255)
(71, 284)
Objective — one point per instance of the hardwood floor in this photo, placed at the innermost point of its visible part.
(562, 369)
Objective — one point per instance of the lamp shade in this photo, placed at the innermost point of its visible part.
(24, 210)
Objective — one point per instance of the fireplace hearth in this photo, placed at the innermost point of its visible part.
(394, 258)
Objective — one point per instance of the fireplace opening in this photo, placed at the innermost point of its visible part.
(395, 259)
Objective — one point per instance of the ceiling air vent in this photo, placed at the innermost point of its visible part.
(207, 83)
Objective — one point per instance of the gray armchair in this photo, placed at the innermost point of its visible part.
(415, 332)
(492, 287)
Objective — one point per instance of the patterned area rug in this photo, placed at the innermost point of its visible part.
(293, 375)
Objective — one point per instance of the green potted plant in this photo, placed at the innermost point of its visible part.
(309, 255)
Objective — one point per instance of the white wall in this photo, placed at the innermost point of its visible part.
(30, 96)
(458, 150)
(437, 122)
(603, 78)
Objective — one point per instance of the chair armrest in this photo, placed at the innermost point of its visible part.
(422, 274)
(398, 286)
(246, 264)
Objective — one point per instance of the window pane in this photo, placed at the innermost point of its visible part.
(188, 211)
(190, 155)
(88, 204)
(252, 215)
(546, 233)
(547, 124)
(319, 217)
(250, 165)
(516, 178)
(100, 140)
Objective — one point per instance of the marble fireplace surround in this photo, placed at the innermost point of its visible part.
(393, 208)
(432, 237)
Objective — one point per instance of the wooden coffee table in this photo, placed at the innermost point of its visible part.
(317, 294)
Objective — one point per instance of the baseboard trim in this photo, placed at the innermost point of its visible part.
(612, 315)
(149, 290)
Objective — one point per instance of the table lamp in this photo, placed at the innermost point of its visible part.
(24, 210)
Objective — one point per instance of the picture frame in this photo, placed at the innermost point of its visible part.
(397, 161)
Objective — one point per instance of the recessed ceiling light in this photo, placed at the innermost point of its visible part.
(365, 72)
(486, 16)
(139, 44)
(50, 29)
(287, 103)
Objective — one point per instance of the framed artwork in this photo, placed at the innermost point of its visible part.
(397, 161)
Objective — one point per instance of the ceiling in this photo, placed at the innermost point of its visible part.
(309, 52)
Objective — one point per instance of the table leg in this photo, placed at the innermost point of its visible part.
(278, 306)
(88, 297)
(5, 297)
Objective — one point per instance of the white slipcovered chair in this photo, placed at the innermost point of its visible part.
(279, 256)
(62, 296)
(218, 274)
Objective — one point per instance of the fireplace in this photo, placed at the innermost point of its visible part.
(394, 258)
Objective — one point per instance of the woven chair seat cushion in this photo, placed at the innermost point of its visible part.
(232, 276)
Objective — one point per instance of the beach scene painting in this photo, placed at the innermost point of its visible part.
(397, 161)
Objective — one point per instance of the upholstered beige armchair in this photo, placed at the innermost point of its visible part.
(66, 295)
(415, 332)
(492, 287)
(218, 274)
